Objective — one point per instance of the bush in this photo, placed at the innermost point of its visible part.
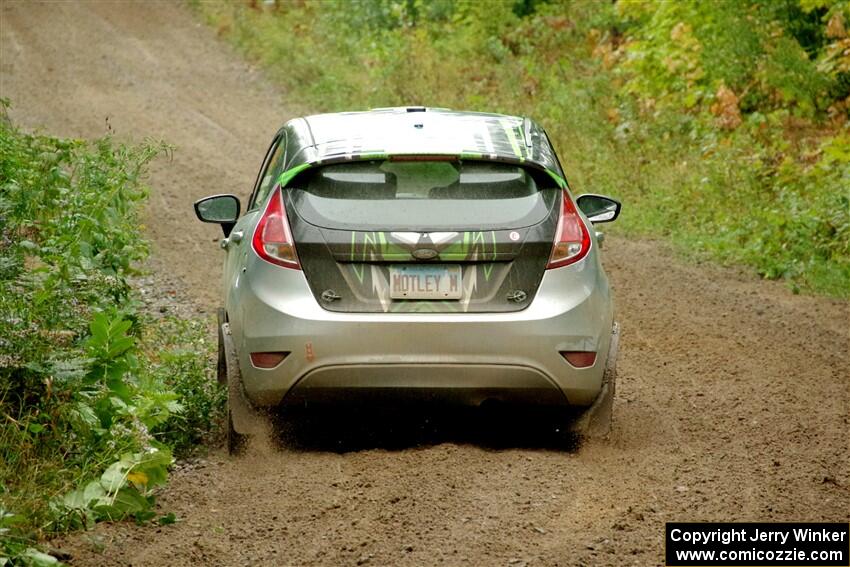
(185, 365)
(90, 388)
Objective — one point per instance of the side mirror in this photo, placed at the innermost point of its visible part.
(219, 209)
(598, 208)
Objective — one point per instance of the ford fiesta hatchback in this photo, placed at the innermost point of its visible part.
(414, 252)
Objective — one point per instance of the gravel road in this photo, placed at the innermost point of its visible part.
(732, 402)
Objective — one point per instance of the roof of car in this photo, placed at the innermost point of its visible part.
(381, 132)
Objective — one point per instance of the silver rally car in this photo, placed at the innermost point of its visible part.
(414, 252)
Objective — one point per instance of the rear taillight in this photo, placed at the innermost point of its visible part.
(272, 238)
(572, 241)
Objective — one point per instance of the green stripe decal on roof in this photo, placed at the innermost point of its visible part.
(509, 132)
(287, 175)
(562, 183)
(373, 155)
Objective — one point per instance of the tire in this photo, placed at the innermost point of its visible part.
(599, 426)
(228, 375)
(243, 421)
(595, 422)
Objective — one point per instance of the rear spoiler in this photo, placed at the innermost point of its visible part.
(287, 176)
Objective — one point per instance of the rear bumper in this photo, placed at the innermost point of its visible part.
(468, 384)
(463, 357)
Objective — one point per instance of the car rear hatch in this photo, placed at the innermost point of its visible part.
(423, 235)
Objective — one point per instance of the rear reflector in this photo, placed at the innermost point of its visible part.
(579, 359)
(267, 359)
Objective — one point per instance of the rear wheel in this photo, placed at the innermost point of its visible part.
(236, 441)
(595, 421)
(243, 421)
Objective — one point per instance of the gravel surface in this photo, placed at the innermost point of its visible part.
(732, 402)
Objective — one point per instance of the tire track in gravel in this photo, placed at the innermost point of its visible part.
(733, 394)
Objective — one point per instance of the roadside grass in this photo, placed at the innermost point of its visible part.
(727, 136)
(96, 396)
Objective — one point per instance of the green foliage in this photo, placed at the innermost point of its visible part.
(681, 52)
(124, 488)
(85, 378)
(721, 125)
(184, 364)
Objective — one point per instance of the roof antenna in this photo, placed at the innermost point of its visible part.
(526, 131)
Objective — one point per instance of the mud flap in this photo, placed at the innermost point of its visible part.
(595, 422)
(221, 364)
(245, 420)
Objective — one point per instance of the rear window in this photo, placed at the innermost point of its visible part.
(423, 195)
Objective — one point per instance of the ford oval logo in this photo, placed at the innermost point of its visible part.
(424, 253)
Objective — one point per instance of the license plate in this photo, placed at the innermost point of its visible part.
(425, 282)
